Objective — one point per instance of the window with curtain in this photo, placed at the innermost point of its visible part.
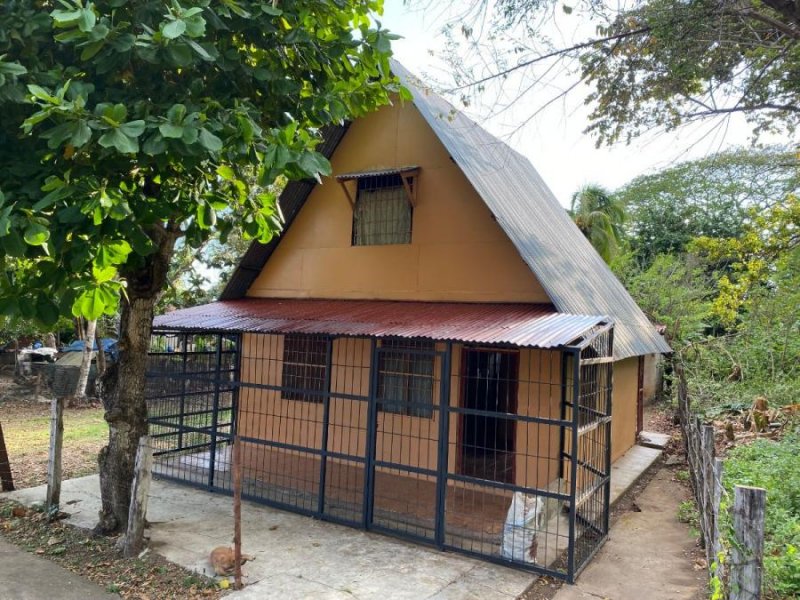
(382, 212)
(405, 378)
(305, 362)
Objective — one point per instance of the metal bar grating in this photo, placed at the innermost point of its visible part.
(496, 452)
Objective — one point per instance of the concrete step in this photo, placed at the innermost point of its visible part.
(629, 467)
(651, 439)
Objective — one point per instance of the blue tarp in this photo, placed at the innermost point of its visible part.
(109, 346)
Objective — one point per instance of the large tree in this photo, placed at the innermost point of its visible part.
(130, 124)
(708, 197)
(649, 64)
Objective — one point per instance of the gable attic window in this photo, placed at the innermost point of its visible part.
(383, 206)
(304, 367)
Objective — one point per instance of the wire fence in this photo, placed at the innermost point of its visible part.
(735, 558)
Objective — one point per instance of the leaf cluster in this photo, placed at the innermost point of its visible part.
(130, 124)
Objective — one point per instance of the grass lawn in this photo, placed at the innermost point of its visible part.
(26, 428)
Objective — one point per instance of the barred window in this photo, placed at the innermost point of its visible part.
(382, 212)
(304, 367)
(405, 377)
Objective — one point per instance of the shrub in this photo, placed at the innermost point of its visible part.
(774, 466)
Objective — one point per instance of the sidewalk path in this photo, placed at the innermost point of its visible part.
(24, 576)
(647, 554)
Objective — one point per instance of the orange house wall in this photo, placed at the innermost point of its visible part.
(623, 406)
(457, 251)
(263, 414)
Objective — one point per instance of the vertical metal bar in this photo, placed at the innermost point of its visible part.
(326, 410)
(372, 425)
(444, 433)
(561, 429)
(215, 414)
(609, 405)
(573, 484)
(182, 401)
(235, 386)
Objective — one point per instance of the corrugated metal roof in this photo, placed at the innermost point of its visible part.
(524, 325)
(375, 173)
(574, 276)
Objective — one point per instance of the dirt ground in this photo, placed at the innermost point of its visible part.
(25, 419)
(657, 418)
(150, 577)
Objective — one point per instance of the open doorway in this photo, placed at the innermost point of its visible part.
(489, 386)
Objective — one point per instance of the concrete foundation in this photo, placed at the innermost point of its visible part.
(300, 557)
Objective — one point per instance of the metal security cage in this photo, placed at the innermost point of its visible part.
(494, 451)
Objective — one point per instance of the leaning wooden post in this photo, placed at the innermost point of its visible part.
(134, 537)
(716, 544)
(707, 494)
(237, 513)
(54, 460)
(747, 552)
(6, 479)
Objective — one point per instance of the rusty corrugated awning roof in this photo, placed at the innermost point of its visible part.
(524, 325)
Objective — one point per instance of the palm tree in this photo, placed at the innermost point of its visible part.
(599, 217)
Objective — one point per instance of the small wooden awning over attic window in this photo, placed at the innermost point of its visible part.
(405, 173)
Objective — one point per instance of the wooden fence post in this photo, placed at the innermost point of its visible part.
(716, 545)
(134, 537)
(747, 552)
(709, 455)
(54, 460)
(6, 479)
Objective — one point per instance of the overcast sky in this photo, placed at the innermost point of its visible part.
(564, 156)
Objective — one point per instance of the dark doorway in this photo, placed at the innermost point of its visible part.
(489, 385)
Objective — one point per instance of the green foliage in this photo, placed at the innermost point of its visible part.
(668, 62)
(599, 217)
(764, 348)
(768, 239)
(674, 291)
(687, 513)
(773, 465)
(709, 197)
(128, 125)
(650, 65)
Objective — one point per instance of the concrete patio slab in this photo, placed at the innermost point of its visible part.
(296, 556)
(300, 557)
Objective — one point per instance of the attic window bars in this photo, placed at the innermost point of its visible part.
(383, 205)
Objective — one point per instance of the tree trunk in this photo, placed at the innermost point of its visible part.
(79, 328)
(6, 479)
(101, 355)
(124, 382)
(86, 362)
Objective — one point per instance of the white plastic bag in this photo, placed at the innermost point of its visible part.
(524, 519)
